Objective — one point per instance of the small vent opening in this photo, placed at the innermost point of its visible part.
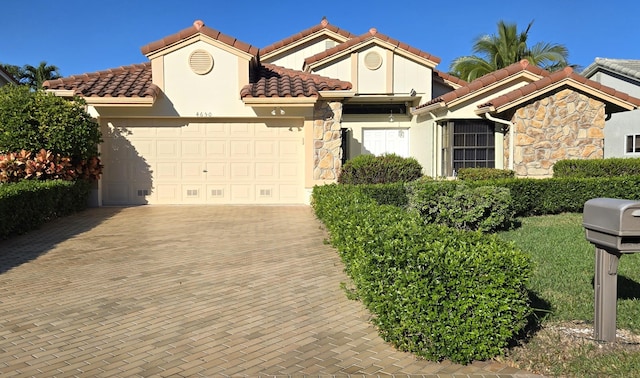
(192, 192)
(143, 192)
(201, 62)
(265, 192)
(217, 193)
(372, 60)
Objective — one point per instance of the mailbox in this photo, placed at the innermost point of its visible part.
(613, 226)
(613, 223)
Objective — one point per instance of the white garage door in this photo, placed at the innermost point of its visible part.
(199, 163)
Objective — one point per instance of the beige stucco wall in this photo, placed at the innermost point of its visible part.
(564, 125)
(294, 58)
(408, 75)
(216, 93)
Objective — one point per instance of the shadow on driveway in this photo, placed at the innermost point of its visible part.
(20, 249)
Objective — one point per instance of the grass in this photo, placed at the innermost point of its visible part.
(562, 284)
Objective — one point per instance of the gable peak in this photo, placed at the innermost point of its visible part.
(373, 31)
(324, 22)
(198, 24)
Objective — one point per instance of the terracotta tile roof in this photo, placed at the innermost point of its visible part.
(198, 27)
(126, 81)
(269, 80)
(553, 78)
(444, 77)
(625, 67)
(487, 80)
(324, 25)
(373, 33)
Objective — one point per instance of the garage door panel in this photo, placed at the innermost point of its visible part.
(241, 171)
(241, 149)
(213, 163)
(216, 130)
(167, 149)
(241, 193)
(217, 149)
(192, 149)
(241, 130)
(266, 170)
(167, 193)
(217, 171)
(191, 171)
(266, 148)
(289, 171)
(164, 132)
(289, 149)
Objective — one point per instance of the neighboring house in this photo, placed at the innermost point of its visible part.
(622, 131)
(210, 119)
(6, 78)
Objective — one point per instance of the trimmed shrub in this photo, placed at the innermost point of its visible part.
(433, 290)
(387, 194)
(614, 167)
(470, 174)
(28, 204)
(454, 204)
(557, 195)
(370, 169)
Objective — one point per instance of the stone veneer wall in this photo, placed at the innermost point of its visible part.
(327, 140)
(565, 125)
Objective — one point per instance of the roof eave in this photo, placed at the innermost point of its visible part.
(270, 101)
(338, 94)
(120, 101)
(429, 108)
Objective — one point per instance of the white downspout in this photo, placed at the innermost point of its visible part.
(511, 136)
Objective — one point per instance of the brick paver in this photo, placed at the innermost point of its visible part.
(177, 291)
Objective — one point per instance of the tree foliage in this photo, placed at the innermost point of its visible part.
(35, 120)
(508, 46)
(33, 76)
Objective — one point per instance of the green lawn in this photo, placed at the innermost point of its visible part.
(562, 280)
(563, 270)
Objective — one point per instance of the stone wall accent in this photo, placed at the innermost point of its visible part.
(327, 140)
(564, 125)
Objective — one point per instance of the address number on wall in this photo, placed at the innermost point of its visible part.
(204, 114)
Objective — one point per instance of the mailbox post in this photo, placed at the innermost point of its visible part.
(613, 226)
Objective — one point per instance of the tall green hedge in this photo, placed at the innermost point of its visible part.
(434, 291)
(613, 167)
(26, 205)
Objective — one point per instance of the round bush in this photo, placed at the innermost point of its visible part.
(370, 169)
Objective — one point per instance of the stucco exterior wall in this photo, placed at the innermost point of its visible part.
(214, 94)
(621, 124)
(564, 125)
(294, 58)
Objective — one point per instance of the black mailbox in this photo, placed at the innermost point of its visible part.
(613, 226)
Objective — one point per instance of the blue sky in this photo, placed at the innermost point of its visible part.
(88, 36)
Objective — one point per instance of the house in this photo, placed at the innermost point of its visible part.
(211, 119)
(6, 78)
(622, 130)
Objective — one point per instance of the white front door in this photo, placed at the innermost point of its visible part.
(385, 141)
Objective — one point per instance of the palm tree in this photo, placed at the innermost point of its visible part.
(493, 52)
(35, 76)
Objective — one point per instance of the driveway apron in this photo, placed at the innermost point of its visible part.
(182, 291)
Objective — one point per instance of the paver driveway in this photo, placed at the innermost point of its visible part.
(189, 291)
